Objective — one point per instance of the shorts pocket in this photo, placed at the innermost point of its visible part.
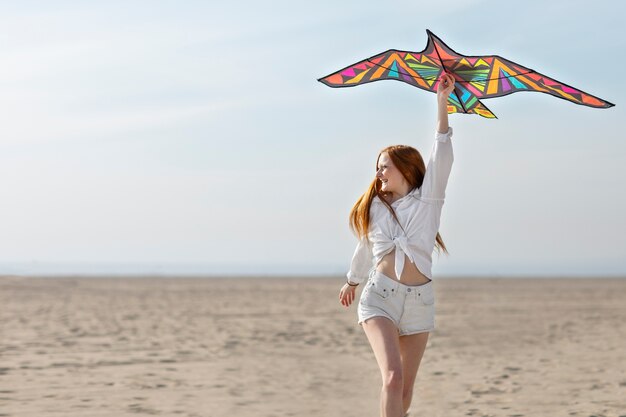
(427, 295)
(382, 289)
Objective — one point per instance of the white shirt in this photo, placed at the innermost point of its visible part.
(419, 212)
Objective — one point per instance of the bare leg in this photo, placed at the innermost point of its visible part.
(411, 350)
(383, 336)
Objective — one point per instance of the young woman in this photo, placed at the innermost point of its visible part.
(397, 222)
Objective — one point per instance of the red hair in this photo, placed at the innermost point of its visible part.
(411, 165)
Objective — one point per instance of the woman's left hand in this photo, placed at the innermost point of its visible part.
(445, 87)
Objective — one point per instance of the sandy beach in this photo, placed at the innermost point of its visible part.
(285, 347)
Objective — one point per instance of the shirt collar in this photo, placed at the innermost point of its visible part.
(414, 193)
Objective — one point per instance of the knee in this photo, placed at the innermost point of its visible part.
(393, 380)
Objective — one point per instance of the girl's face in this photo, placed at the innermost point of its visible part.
(391, 178)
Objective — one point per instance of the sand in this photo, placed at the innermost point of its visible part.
(286, 347)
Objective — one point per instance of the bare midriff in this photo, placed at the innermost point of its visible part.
(410, 275)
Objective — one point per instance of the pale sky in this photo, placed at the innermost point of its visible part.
(193, 137)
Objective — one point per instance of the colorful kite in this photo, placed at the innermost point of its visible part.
(476, 76)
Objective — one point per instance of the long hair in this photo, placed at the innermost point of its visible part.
(411, 165)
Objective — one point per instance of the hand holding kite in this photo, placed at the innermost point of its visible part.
(476, 77)
(445, 88)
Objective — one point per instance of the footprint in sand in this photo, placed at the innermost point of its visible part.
(477, 392)
(138, 408)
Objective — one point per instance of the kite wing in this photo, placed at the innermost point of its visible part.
(476, 77)
(419, 69)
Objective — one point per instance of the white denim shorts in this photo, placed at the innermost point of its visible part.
(410, 307)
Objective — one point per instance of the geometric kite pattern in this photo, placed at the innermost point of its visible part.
(477, 77)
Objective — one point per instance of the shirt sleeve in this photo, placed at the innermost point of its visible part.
(438, 169)
(362, 262)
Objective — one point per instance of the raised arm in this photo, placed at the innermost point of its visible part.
(445, 87)
(441, 156)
